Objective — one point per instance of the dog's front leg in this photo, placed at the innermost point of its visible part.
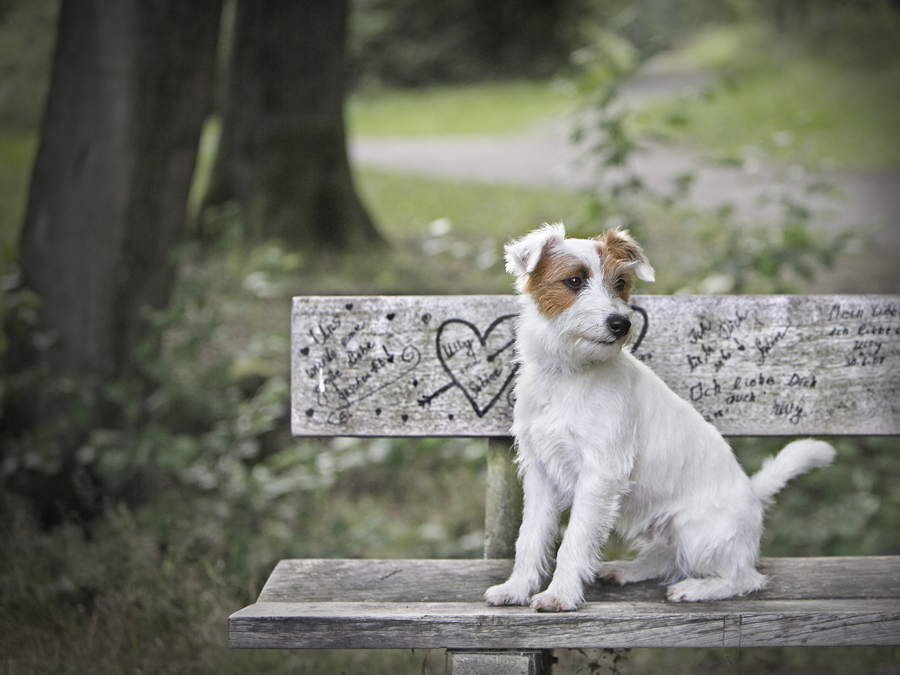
(540, 520)
(594, 510)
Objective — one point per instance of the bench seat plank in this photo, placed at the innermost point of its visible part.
(444, 365)
(394, 604)
(323, 580)
(746, 623)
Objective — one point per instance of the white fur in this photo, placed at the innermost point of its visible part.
(599, 433)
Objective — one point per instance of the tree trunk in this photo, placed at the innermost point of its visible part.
(131, 84)
(283, 151)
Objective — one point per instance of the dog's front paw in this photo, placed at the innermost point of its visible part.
(551, 602)
(507, 594)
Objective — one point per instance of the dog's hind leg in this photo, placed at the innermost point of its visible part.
(652, 563)
(717, 548)
(716, 588)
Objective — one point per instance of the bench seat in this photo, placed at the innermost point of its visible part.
(427, 604)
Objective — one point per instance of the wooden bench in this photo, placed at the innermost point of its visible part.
(444, 367)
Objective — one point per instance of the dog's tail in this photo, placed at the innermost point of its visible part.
(795, 458)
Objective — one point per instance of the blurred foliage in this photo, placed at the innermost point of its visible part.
(855, 32)
(146, 593)
(817, 661)
(27, 36)
(773, 250)
(190, 506)
(651, 26)
(776, 102)
(206, 491)
(411, 43)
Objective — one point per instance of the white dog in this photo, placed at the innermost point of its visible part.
(599, 433)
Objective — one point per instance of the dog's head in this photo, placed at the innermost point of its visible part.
(579, 290)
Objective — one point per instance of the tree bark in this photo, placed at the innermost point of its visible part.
(131, 84)
(283, 151)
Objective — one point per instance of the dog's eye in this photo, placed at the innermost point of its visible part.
(620, 284)
(575, 283)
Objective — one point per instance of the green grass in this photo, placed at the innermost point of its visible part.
(405, 204)
(446, 237)
(795, 107)
(478, 109)
(790, 106)
(16, 157)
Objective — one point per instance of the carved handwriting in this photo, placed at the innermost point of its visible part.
(766, 343)
(470, 359)
(743, 361)
(720, 347)
(345, 364)
(871, 328)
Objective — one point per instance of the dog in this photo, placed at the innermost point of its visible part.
(600, 434)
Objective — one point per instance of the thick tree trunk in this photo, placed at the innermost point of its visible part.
(283, 151)
(131, 84)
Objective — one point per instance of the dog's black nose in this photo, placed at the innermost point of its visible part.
(619, 325)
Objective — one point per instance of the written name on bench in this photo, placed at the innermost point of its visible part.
(740, 362)
(442, 364)
(392, 364)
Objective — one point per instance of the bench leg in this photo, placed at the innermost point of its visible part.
(503, 501)
(501, 662)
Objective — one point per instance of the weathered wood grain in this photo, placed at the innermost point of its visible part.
(467, 662)
(444, 365)
(323, 580)
(502, 501)
(742, 623)
(409, 604)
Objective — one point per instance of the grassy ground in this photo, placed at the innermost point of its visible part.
(16, 156)
(480, 109)
(787, 104)
(771, 96)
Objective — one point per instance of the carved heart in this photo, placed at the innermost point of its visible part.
(481, 365)
(639, 319)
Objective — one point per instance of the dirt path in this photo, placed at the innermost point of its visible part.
(545, 157)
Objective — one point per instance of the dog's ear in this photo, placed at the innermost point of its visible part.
(622, 245)
(523, 254)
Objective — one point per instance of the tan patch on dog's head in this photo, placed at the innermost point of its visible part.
(547, 284)
(619, 254)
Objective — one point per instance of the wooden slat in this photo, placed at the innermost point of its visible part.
(743, 623)
(443, 365)
(437, 604)
(465, 662)
(324, 580)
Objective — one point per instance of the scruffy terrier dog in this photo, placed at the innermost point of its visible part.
(597, 432)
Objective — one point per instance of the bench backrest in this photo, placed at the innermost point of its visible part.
(445, 365)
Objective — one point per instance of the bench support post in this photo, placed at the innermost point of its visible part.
(502, 517)
(503, 501)
(501, 662)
